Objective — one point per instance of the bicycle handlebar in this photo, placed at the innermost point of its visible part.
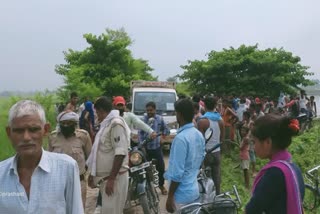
(310, 174)
(237, 194)
(313, 169)
(191, 205)
(229, 193)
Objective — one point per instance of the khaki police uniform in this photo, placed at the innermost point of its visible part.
(78, 147)
(115, 140)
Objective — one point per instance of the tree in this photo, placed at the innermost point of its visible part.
(74, 82)
(172, 79)
(183, 88)
(247, 70)
(105, 67)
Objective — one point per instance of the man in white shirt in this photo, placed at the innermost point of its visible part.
(242, 108)
(34, 180)
(281, 100)
(303, 101)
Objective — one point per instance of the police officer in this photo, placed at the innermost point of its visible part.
(119, 103)
(70, 140)
(108, 161)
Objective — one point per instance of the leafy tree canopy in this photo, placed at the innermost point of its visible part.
(247, 70)
(183, 89)
(106, 66)
(172, 79)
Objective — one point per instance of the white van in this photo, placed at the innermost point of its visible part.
(164, 95)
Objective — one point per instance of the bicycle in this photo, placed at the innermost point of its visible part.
(312, 190)
(226, 203)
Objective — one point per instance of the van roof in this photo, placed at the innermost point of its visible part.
(154, 90)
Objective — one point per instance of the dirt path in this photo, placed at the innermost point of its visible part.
(92, 195)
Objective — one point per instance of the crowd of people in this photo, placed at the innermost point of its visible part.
(262, 127)
(94, 139)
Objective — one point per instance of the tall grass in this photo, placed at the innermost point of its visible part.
(304, 150)
(6, 149)
(45, 99)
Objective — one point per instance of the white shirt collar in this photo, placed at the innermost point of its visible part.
(43, 164)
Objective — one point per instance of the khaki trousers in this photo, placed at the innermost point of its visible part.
(115, 203)
(83, 192)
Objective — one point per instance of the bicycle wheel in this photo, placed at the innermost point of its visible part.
(310, 198)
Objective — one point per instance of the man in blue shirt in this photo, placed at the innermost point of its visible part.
(153, 148)
(186, 155)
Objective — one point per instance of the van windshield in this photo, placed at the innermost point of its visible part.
(164, 102)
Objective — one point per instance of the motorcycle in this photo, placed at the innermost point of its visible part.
(143, 180)
(209, 202)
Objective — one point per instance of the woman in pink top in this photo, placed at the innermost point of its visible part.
(279, 185)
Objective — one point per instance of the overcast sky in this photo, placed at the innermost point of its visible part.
(167, 33)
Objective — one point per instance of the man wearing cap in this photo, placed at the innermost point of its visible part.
(131, 119)
(70, 140)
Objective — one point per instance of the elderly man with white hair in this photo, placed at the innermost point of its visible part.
(75, 142)
(34, 180)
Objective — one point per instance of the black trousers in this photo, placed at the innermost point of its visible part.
(158, 155)
(213, 160)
